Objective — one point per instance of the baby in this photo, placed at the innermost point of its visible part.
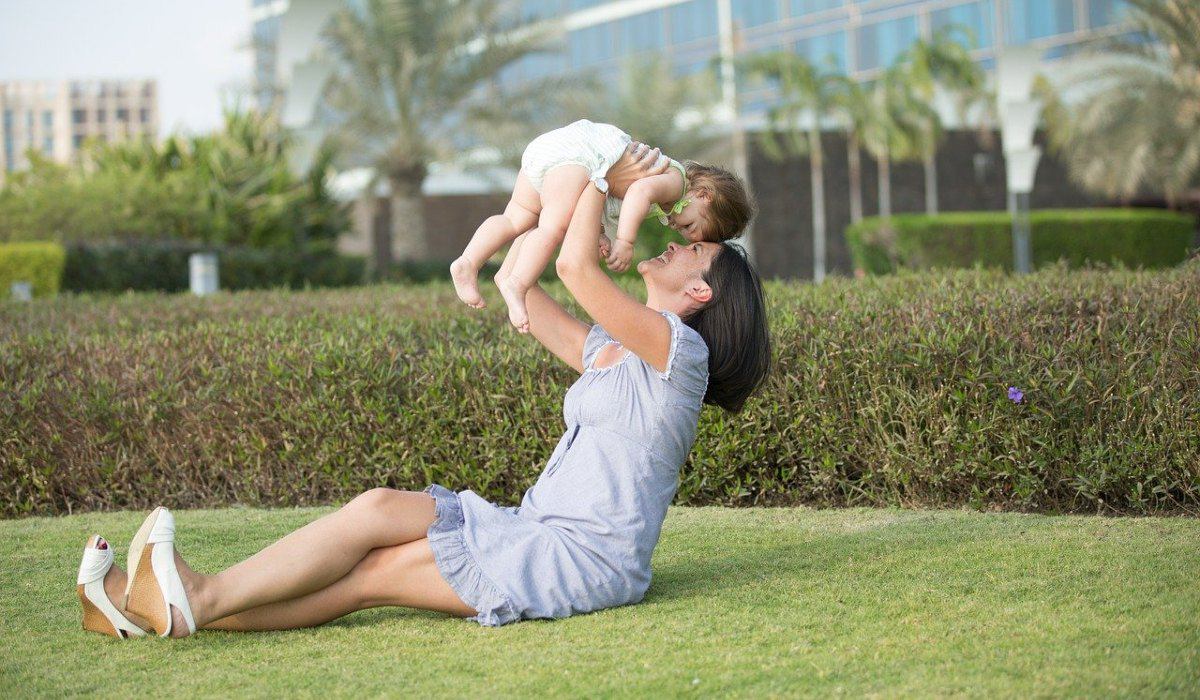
(702, 203)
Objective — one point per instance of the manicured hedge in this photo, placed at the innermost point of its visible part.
(163, 266)
(888, 390)
(40, 264)
(1150, 238)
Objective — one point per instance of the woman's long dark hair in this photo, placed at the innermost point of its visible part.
(734, 325)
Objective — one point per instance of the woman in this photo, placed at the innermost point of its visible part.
(583, 535)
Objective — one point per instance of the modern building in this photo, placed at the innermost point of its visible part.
(857, 37)
(56, 117)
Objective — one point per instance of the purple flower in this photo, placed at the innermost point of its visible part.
(1015, 394)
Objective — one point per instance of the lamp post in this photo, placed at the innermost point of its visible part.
(729, 106)
(1015, 68)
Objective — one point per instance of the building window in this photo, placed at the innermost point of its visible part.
(48, 119)
(880, 44)
(592, 45)
(101, 116)
(642, 32)
(29, 124)
(77, 141)
(751, 13)
(148, 90)
(122, 115)
(693, 20)
(1034, 19)
(975, 17)
(8, 121)
(807, 7)
(1105, 12)
(144, 115)
(824, 50)
(48, 145)
(78, 116)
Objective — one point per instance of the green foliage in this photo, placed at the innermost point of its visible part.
(40, 264)
(228, 188)
(1132, 124)
(163, 266)
(888, 390)
(1149, 238)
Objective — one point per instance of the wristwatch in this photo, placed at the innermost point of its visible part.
(601, 184)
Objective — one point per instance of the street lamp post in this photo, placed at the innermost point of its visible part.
(1019, 112)
(729, 106)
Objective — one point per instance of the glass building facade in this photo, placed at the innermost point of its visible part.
(856, 37)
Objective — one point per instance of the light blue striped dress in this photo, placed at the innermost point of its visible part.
(582, 538)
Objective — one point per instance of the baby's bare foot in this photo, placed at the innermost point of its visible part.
(514, 296)
(466, 283)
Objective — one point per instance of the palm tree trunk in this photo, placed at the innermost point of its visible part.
(408, 220)
(884, 167)
(855, 170)
(816, 165)
(931, 198)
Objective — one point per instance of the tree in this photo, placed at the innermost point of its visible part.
(805, 91)
(897, 128)
(941, 62)
(1137, 127)
(414, 83)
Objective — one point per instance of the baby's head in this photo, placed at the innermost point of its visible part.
(720, 206)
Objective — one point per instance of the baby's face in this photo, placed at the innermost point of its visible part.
(692, 222)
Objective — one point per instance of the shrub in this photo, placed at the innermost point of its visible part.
(1149, 238)
(163, 266)
(40, 264)
(886, 391)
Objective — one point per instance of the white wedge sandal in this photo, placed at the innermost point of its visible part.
(154, 584)
(99, 614)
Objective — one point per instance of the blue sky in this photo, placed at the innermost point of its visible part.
(194, 48)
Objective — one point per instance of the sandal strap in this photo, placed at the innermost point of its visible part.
(94, 565)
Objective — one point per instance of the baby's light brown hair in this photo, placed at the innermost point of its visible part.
(730, 206)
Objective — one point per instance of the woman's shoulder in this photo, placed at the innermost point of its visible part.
(687, 361)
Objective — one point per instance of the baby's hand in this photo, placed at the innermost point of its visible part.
(605, 246)
(622, 254)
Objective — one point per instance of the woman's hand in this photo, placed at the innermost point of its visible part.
(638, 161)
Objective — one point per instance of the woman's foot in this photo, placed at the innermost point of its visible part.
(161, 587)
(466, 283)
(514, 296)
(101, 587)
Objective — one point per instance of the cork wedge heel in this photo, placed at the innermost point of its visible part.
(154, 585)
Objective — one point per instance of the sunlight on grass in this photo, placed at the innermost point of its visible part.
(743, 602)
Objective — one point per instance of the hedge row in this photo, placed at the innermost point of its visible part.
(889, 390)
(40, 264)
(1150, 238)
(163, 266)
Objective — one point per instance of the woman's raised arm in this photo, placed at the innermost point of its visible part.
(639, 328)
(553, 326)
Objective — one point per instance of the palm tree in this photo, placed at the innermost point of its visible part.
(804, 91)
(415, 83)
(855, 106)
(943, 62)
(1138, 126)
(896, 128)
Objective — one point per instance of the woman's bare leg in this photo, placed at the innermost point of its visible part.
(560, 193)
(519, 216)
(310, 558)
(404, 574)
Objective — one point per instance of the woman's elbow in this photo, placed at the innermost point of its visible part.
(567, 267)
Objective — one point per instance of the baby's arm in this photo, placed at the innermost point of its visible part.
(663, 189)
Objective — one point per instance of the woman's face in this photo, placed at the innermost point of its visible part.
(679, 267)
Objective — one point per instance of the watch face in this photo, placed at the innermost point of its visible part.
(601, 184)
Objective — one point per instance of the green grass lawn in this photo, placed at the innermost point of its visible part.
(744, 602)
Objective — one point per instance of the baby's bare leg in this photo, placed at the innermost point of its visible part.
(560, 193)
(519, 216)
